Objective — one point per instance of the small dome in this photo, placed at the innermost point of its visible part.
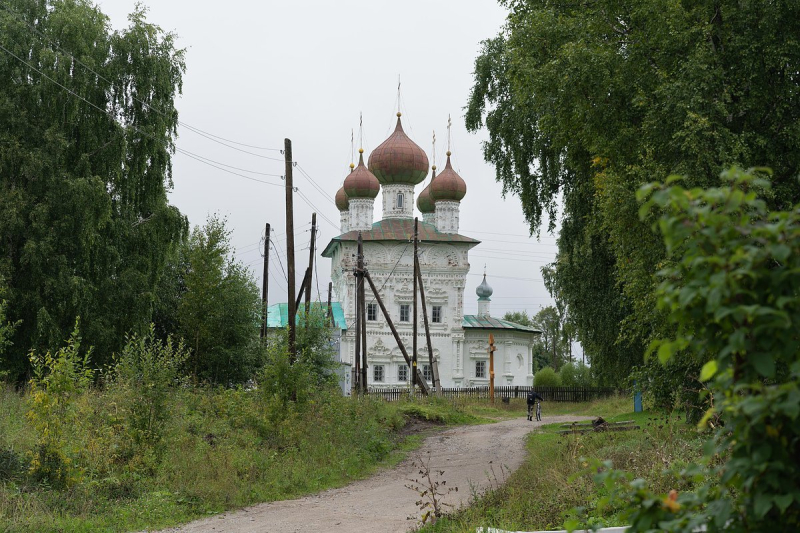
(361, 183)
(484, 291)
(399, 160)
(424, 200)
(448, 185)
(342, 202)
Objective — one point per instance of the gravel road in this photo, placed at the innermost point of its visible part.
(472, 458)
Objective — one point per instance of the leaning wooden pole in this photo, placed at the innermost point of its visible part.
(437, 384)
(422, 384)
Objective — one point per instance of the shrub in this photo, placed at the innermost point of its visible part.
(144, 373)
(731, 287)
(58, 380)
(576, 375)
(547, 377)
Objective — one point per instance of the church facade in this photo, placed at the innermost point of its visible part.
(459, 342)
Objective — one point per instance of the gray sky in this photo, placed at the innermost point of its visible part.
(259, 72)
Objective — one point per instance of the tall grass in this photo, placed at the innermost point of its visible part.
(220, 449)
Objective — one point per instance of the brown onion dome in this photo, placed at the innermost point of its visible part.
(448, 185)
(424, 200)
(361, 183)
(342, 202)
(398, 160)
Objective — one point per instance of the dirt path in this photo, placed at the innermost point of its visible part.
(467, 455)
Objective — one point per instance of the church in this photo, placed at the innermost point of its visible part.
(460, 342)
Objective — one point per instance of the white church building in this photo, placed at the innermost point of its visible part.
(460, 342)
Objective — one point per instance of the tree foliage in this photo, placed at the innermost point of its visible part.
(585, 101)
(731, 287)
(88, 130)
(217, 308)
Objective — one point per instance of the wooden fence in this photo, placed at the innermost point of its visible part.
(550, 394)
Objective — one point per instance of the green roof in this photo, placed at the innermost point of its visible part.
(398, 229)
(489, 322)
(278, 314)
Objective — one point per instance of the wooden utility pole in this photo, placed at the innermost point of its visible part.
(422, 384)
(414, 327)
(287, 154)
(311, 262)
(265, 285)
(363, 312)
(492, 348)
(330, 306)
(437, 384)
(357, 332)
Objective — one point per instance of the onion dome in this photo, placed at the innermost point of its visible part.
(424, 200)
(342, 202)
(398, 160)
(484, 291)
(361, 183)
(448, 185)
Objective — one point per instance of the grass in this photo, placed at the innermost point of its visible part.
(220, 450)
(553, 480)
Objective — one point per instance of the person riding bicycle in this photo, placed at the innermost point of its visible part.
(532, 398)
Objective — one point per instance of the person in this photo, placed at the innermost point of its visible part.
(532, 398)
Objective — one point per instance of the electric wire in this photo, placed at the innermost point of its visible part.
(194, 129)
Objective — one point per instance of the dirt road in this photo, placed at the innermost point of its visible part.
(466, 454)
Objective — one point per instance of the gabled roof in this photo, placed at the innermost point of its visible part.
(489, 322)
(278, 314)
(398, 229)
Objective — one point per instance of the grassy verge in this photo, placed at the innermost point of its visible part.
(550, 482)
(220, 449)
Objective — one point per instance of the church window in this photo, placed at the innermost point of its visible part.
(480, 369)
(427, 373)
(400, 201)
(402, 373)
(377, 373)
(372, 312)
(436, 314)
(405, 313)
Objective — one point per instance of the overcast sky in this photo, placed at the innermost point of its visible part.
(259, 72)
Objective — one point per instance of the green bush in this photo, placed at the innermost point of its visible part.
(731, 288)
(143, 374)
(576, 375)
(547, 377)
(57, 383)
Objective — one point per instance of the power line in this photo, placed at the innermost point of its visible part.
(315, 184)
(279, 260)
(194, 129)
(134, 128)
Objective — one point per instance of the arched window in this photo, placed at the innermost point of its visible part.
(399, 200)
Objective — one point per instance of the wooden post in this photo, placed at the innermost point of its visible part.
(357, 332)
(287, 154)
(437, 384)
(423, 385)
(265, 285)
(311, 262)
(363, 314)
(492, 348)
(302, 289)
(331, 320)
(414, 300)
